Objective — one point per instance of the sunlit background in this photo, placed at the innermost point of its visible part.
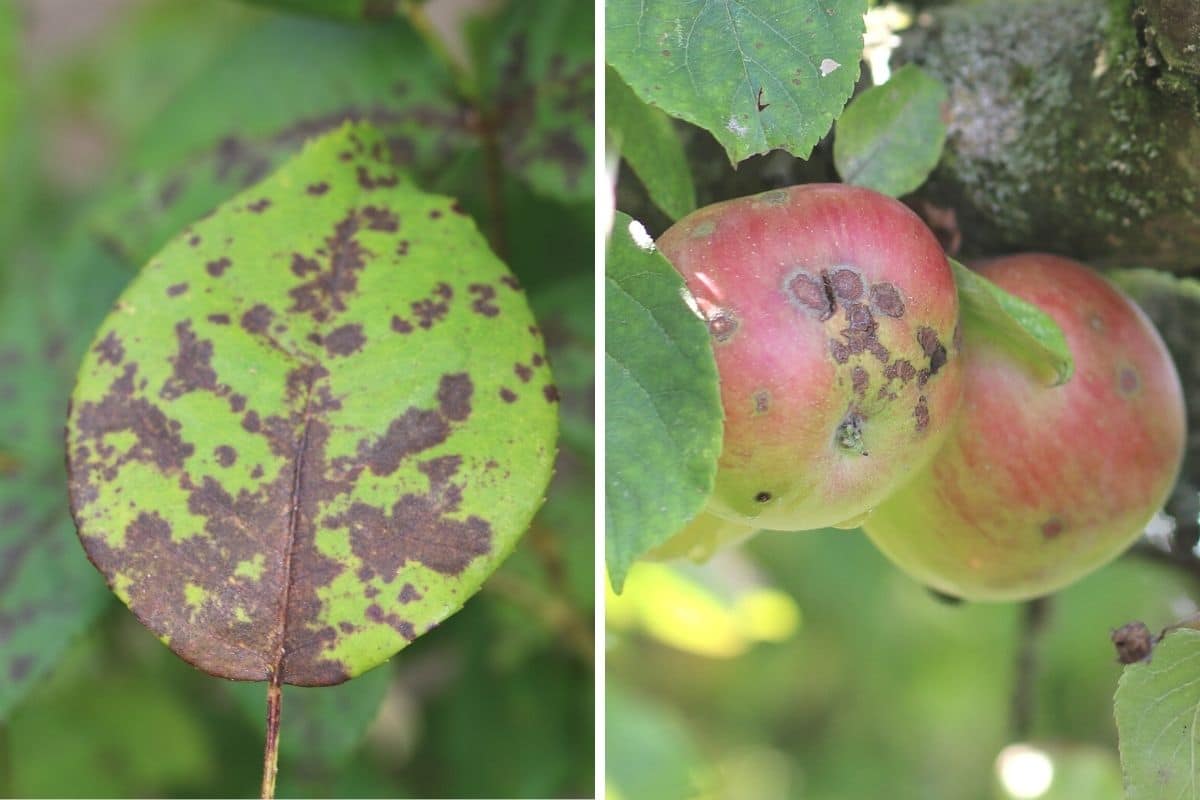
(802, 665)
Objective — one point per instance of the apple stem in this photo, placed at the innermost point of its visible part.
(1033, 626)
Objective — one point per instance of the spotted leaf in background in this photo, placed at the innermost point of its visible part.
(536, 68)
(313, 425)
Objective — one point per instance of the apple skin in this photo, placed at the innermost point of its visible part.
(833, 315)
(1038, 486)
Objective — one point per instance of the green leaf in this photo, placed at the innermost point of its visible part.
(127, 737)
(651, 751)
(890, 138)
(338, 9)
(535, 63)
(257, 103)
(48, 592)
(323, 724)
(1023, 329)
(757, 74)
(1157, 707)
(662, 407)
(313, 425)
(644, 137)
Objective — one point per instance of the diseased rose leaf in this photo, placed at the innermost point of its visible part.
(535, 68)
(756, 74)
(275, 85)
(48, 593)
(314, 424)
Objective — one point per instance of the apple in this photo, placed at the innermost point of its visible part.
(833, 316)
(1037, 485)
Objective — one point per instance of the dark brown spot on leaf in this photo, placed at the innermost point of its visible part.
(482, 303)
(523, 372)
(317, 189)
(550, 392)
(218, 319)
(191, 365)
(401, 325)
(381, 219)
(259, 206)
(507, 395)
(405, 629)
(110, 350)
(176, 289)
(420, 527)
(762, 497)
(345, 340)
(226, 455)
(258, 319)
(218, 267)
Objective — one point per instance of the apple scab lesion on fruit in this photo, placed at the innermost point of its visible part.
(722, 325)
(849, 433)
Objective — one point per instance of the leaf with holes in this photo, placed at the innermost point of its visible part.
(217, 136)
(1157, 707)
(757, 74)
(313, 425)
(891, 136)
(535, 69)
(647, 141)
(662, 406)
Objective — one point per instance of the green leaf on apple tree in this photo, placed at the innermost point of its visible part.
(314, 424)
(890, 137)
(644, 137)
(1157, 706)
(1023, 329)
(757, 74)
(663, 409)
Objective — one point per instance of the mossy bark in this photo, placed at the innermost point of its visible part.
(1069, 129)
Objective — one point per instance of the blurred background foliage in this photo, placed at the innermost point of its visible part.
(121, 121)
(802, 665)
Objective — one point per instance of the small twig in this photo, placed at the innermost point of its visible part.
(271, 750)
(1024, 699)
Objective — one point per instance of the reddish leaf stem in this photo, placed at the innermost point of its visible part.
(271, 750)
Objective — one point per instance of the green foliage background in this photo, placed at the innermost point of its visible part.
(108, 144)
